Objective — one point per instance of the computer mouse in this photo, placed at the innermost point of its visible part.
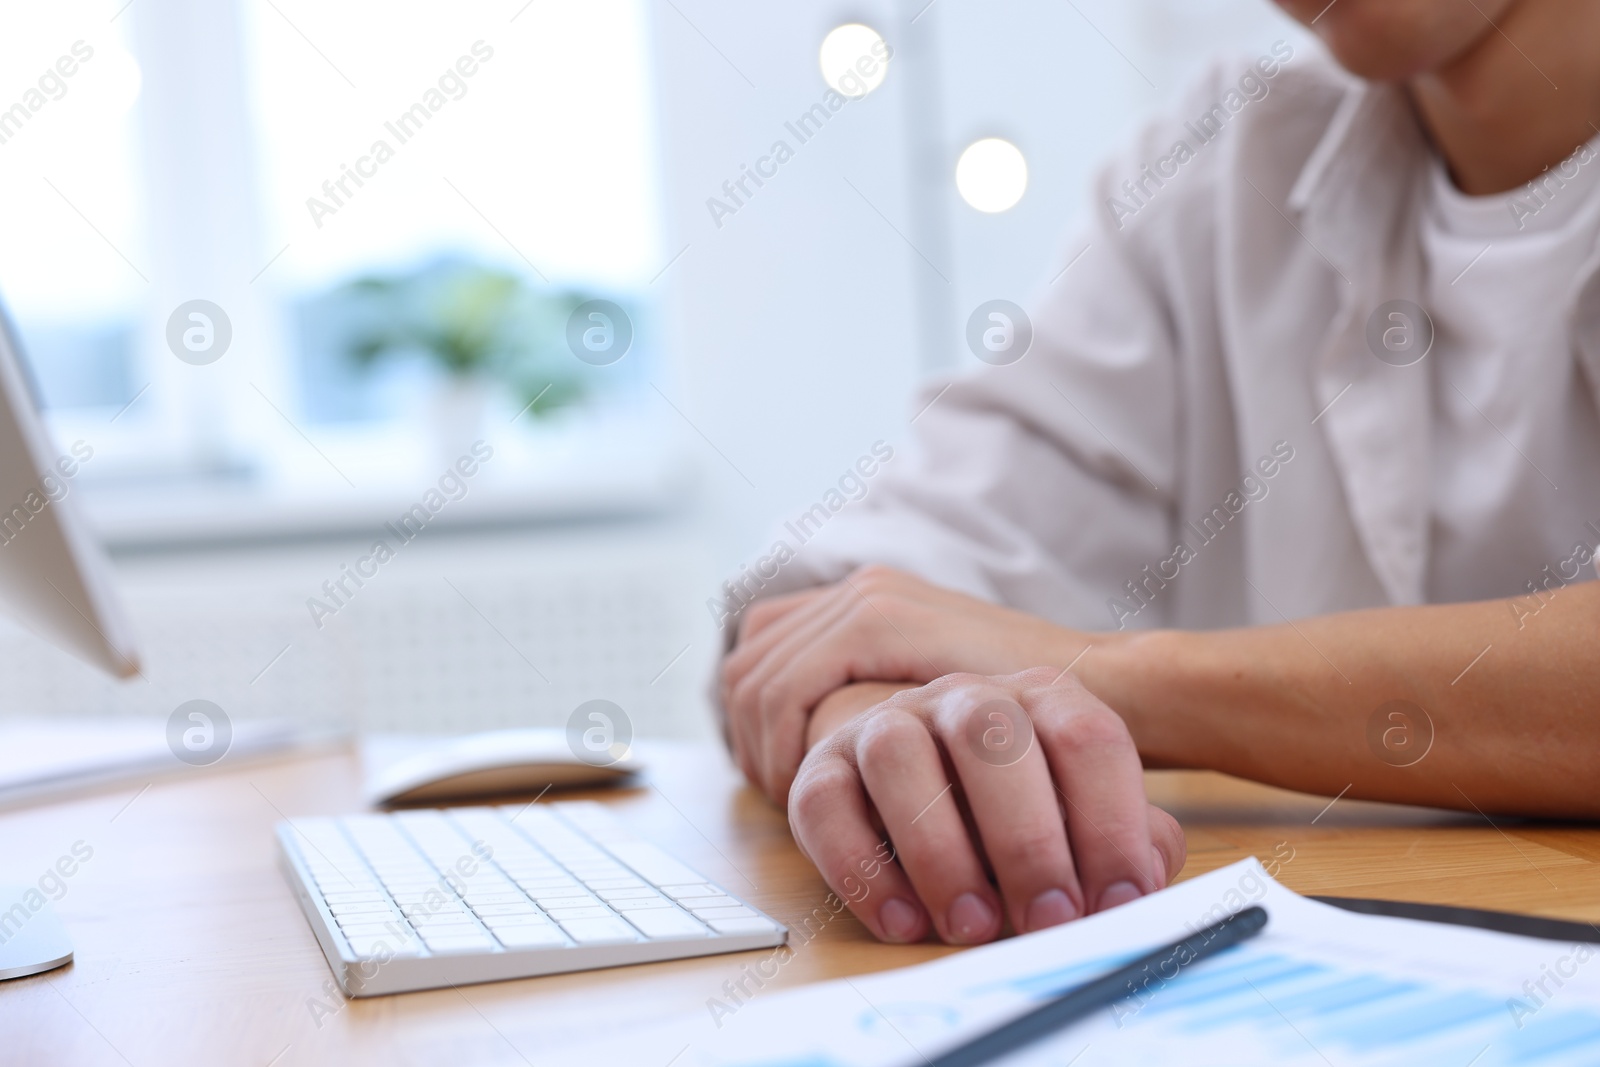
(496, 763)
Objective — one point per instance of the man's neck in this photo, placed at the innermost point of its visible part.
(1521, 99)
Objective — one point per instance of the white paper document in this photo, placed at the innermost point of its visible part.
(1319, 986)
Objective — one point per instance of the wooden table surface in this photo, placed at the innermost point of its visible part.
(191, 950)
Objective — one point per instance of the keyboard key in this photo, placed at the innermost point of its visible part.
(419, 892)
(379, 947)
(425, 911)
(524, 908)
(474, 899)
(456, 945)
(548, 901)
(737, 912)
(498, 922)
(591, 872)
(614, 883)
(659, 923)
(561, 915)
(721, 901)
(545, 935)
(359, 909)
(628, 894)
(424, 900)
(599, 931)
(404, 872)
(742, 926)
(683, 892)
(643, 904)
(360, 930)
(445, 918)
(353, 898)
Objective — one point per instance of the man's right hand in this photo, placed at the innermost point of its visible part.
(1027, 776)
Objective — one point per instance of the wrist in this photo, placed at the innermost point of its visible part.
(844, 704)
(1152, 678)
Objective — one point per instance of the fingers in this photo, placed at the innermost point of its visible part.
(760, 616)
(1008, 788)
(1097, 769)
(771, 628)
(1026, 776)
(759, 631)
(903, 772)
(832, 823)
(820, 661)
(774, 720)
(774, 683)
(1171, 847)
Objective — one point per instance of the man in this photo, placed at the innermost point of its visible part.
(1311, 432)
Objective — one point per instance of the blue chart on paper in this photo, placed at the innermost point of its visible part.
(1318, 986)
(1256, 1006)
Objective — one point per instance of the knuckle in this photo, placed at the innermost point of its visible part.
(1088, 730)
(965, 716)
(812, 793)
(966, 699)
(1047, 678)
(887, 737)
(959, 684)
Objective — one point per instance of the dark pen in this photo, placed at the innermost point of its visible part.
(1103, 991)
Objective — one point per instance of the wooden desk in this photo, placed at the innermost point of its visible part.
(190, 949)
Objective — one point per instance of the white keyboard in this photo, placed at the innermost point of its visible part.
(438, 897)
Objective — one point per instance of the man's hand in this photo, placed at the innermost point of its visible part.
(1028, 777)
(877, 625)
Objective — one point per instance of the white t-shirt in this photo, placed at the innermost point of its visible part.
(1502, 274)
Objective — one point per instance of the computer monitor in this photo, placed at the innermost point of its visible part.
(54, 577)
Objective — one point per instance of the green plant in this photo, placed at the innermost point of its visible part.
(474, 323)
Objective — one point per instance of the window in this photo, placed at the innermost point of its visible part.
(74, 264)
(262, 155)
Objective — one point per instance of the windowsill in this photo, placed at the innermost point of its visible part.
(359, 478)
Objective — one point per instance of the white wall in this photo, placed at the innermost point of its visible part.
(803, 323)
(792, 322)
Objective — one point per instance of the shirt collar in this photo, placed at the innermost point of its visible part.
(1361, 180)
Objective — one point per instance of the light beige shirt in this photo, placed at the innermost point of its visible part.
(1202, 432)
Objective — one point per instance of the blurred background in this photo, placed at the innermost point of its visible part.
(386, 307)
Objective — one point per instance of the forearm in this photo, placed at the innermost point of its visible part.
(1514, 730)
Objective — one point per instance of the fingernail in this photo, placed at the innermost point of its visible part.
(898, 919)
(971, 918)
(1160, 867)
(1118, 894)
(1050, 908)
